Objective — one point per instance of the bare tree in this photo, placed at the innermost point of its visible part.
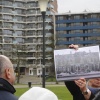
(19, 60)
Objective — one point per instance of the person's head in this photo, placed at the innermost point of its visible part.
(6, 69)
(95, 82)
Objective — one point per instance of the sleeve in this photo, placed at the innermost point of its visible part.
(74, 90)
(95, 97)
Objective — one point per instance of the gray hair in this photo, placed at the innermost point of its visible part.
(4, 62)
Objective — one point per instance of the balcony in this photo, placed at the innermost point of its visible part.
(49, 13)
(48, 20)
(30, 57)
(78, 27)
(48, 27)
(78, 35)
(6, 4)
(76, 42)
(48, 35)
(9, 27)
(13, 12)
(78, 20)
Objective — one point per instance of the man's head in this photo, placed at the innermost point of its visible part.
(6, 69)
(95, 82)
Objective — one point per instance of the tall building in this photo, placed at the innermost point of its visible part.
(21, 36)
(77, 28)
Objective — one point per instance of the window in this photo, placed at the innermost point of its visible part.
(20, 4)
(77, 31)
(60, 17)
(39, 32)
(8, 25)
(95, 30)
(62, 25)
(7, 10)
(94, 16)
(39, 25)
(7, 3)
(7, 17)
(77, 24)
(31, 11)
(95, 23)
(77, 17)
(39, 18)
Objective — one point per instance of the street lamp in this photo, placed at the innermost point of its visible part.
(43, 7)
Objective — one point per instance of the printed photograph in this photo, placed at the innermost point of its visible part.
(71, 64)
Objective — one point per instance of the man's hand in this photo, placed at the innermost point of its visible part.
(74, 46)
(82, 84)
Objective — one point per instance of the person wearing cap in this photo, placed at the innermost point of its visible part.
(7, 79)
(38, 93)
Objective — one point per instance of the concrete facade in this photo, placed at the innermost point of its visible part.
(77, 28)
(21, 34)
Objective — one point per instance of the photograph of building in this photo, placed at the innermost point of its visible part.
(71, 64)
(21, 34)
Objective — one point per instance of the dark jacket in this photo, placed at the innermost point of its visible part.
(7, 90)
(97, 96)
(75, 91)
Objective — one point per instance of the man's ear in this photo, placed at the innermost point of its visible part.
(7, 73)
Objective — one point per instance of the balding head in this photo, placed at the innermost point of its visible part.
(4, 62)
(6, 69)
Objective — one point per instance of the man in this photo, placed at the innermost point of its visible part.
(81, 90)
(7, 79)
(94, 85)
(90, 89)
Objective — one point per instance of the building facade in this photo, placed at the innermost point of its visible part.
(77, 28)
(21, 34)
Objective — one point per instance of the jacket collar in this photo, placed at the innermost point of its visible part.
(6, 86)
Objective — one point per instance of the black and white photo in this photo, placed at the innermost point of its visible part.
(71, 64)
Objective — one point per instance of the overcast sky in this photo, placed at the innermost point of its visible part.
(78, 5)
